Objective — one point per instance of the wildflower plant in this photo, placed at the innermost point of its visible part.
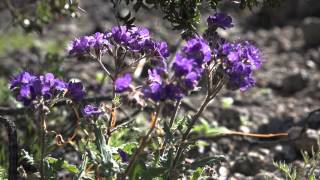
(207, 62)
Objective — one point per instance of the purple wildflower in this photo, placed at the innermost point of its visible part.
(22, 78)
(155, 89)
(60, 85)
(161, 49)
(182, 65)
(198, 50)
(123, 83)
(29, 88)
(90, 110)
(120, 34)
(189, 63)
(123, 155)
(220, 20)
(75, 91)
(83, 45)
(239, 60)
(173, 92)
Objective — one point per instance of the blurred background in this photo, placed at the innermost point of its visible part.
(288, 85)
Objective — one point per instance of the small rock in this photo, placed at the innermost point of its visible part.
(310, 28)
(238, 176)
(307, 140)
(314, 120)
(230, 118)
(294, 83)
(223, 173)
(249, 165)
(284, 153)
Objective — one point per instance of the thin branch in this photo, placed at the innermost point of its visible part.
(99, 59)
(19, 111)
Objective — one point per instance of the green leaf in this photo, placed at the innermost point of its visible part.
(3, 173)
(100, 77)
(312, 177)
(137, 171)
(197, 173)
(207, 161)
(109, 165)
(227, 102)
(153, 172)
(129, 147)
(216, 131)
(168, 134)
(58, 164)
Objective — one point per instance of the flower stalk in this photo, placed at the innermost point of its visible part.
(42, 144)
(143, 143)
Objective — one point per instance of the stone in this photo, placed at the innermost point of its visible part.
(230, 118)
(310, 28)
(294, 83)
(284, 153)
(249, 164)
(307, 141)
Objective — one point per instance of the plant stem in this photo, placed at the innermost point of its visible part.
(113, 115)
(186, 134)
(173, 117)
(42, 144)
(142, 144)
(99, 59)
(211, 93)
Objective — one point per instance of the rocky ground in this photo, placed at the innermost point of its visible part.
(288, 85)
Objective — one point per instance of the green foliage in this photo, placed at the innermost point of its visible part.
(207, 161)
(209, 130)
(3, 173)
(311, 162)
(197, 173)
(227, 102)
(108, 164)
(185, 14)
(289, 171)
(59, 164)
(4, 160)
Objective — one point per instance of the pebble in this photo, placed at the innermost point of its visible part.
(294, 83)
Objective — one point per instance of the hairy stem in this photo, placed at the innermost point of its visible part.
(173, 117)
(186, 134)
(42, 144)
(99, 59)
(211, 93)
(142, 145)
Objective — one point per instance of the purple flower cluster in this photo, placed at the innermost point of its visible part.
(90, 110)
(84, 44)
(138, 40)
(28, 88)
(158, 90)
(219, 20)
(239, 60)
(188, 64)
(188, 68)
(122, 83)
(135, 39)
